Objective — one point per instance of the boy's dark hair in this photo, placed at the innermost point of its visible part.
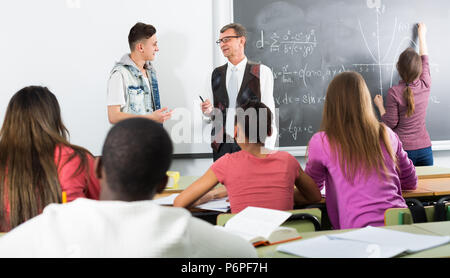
(256, 119)
(136, 156)
(139, 32)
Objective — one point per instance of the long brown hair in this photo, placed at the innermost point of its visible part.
(409, 67)
(31, 131)
(352, 128)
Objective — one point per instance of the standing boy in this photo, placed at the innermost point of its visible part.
(133, 87)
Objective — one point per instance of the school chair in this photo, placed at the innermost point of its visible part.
(416, 213)
(303, 220)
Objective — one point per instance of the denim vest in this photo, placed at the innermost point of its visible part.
(139, 97)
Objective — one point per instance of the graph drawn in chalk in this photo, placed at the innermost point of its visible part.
(379, 61)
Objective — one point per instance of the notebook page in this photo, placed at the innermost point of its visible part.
(326, 247)
(410, 242)
(257, 221)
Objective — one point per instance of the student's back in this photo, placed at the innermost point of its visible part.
(89, 228)
(407, 102)
(125, 223)
(360, 161)
(361, 202)
(254, 176)
(258, 181)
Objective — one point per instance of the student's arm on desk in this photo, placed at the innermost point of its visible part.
(200, 191)
(407, 171)
(306, 191)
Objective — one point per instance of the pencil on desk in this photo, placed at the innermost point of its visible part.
(64, 197)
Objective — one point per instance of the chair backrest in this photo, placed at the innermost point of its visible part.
(442, 209)
(400, 216)
(303, 220)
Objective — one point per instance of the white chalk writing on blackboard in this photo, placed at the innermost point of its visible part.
(290, 43)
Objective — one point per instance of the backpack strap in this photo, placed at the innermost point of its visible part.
(305, 216)
(440, 213)
(417, 210)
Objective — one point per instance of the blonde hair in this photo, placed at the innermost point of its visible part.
(352, 128)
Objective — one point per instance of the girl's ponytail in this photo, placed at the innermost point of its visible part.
(409, 67)
(409, 97)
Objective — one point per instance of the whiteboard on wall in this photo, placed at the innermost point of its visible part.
(70, 46)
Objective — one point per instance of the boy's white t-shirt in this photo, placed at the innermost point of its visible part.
(116, 90)
(90, 228)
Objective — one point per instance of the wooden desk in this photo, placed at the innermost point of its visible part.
(438, 228)
(437, 252)
(419, 192)
(183, 183)
(439, 186)
(431, 172)
(433, 181)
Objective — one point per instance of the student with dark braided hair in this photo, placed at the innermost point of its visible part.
(407, 102)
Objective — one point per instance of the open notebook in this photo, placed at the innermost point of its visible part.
(221, 205)
(369, 242)
(261, 226)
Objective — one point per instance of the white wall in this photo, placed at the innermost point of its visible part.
(70, 46)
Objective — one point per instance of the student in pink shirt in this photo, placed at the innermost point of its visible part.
(37, 162)
(359, 160)
(407, 102)
(254, 176)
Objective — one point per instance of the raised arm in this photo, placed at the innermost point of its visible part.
(422, 31)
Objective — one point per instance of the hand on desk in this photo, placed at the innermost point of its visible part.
(217, 193)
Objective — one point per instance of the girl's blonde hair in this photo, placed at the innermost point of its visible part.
(353, 130)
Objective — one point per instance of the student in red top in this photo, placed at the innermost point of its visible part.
(37, 162)
(254, 176)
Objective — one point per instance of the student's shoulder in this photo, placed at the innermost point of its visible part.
(396, 90)
(216, 241)
(66, 151)
(318, 144)
(233, 156)
(319, 138)
(282, 154)
(63, 151)
(392, 135)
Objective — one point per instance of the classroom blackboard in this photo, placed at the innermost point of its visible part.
(307, 42)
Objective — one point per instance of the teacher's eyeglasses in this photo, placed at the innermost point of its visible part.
(226, 39)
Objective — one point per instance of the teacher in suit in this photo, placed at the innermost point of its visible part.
(232, 85)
